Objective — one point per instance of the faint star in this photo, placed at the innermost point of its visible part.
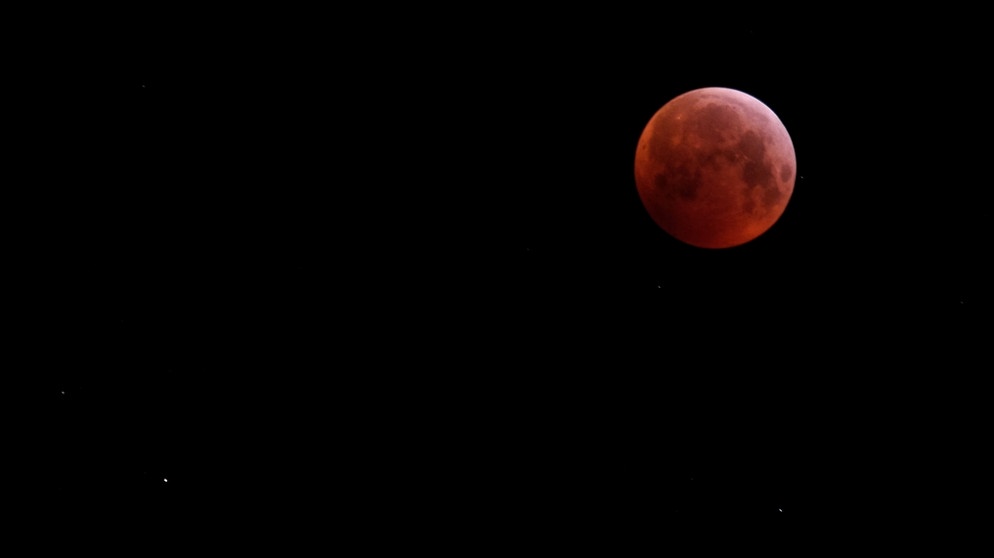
(165, 480)
(781, 510)
(63, 393)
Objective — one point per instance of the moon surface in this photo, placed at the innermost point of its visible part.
(715, 167)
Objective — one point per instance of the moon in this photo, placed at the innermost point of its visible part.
(715, 167)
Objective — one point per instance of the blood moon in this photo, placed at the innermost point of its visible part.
(715, 167)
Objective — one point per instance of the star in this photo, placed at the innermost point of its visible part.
(165, 480)
(781, 510)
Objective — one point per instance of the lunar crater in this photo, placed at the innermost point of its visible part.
(757, 170)
(714, 122)
(786, 172)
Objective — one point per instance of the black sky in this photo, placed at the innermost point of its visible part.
(400, 270)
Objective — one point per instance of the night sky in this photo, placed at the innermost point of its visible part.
(361, 274)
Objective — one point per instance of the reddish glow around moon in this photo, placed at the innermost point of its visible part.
(715, 167)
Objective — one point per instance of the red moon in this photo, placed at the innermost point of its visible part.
(715, 167)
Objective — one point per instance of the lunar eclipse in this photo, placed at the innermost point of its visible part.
(715, 167)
